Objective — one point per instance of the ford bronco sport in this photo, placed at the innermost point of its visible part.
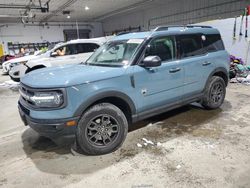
(131, 77)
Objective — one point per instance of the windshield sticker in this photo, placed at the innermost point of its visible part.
(135, 41)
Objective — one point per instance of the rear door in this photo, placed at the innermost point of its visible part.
(194, 59)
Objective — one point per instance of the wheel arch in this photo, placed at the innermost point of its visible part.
(119, 99)
(35, 68)
(221, 72)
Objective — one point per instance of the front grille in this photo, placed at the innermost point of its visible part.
(26, 94)
(25, 110)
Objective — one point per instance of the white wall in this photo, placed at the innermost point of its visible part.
(18, 33)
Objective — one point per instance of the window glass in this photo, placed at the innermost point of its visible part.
(66, 50)
(71, 49)
(86, 47)
(115, 53)
(190, 45)
(213, 43)
(162, 47)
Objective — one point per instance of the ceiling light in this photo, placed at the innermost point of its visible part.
(68, 16)
(86, 8)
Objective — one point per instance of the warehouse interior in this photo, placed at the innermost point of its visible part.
(184, 146)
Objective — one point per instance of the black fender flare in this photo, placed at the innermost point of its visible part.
(102, 95)
(217, 70)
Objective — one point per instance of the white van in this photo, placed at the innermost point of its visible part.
(74, 51)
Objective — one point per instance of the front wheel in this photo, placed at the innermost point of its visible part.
(101, 129)
(215, 93)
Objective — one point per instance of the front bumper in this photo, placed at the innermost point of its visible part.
(5, 69)
(51, 128)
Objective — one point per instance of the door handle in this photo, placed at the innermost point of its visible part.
(174, 70)
(206, 63)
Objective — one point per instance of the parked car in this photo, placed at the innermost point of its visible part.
(130, 78)
(5, 58)
(72, 52)
(7, 65)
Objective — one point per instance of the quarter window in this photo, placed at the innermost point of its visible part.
(213, 43)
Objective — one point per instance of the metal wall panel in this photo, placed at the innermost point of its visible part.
(165, 12)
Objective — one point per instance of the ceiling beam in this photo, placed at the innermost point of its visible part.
(58, 10)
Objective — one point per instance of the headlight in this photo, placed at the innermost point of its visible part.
(50, 99)
(23, 62)
(14, 64)
(17, 63)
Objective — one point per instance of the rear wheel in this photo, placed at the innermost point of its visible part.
(101, 129)
(215, 93)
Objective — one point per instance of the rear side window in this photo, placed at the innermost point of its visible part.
(86, 47)
(163, 47)
(190, 45)
(213, 43)
(71, 49)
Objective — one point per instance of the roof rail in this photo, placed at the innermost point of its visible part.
(163, 28)
(123, 33)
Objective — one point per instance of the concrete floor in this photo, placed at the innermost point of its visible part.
(197, 148)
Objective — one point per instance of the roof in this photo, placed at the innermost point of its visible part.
(92, 40)
(170, 31)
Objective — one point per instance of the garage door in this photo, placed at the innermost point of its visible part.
(71, 34)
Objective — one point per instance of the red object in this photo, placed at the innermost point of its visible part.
(248, 10)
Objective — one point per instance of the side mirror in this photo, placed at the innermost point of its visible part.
(53, 54)
(151, 61)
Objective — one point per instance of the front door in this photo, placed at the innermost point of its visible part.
(159, 86)
(66, 55)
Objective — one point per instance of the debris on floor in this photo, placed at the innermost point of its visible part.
(178, 167)
(239, 71)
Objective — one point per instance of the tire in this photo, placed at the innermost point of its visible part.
(102, 129)
(215, 93)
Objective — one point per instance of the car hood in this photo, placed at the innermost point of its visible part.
(40, 60)
(69, 75)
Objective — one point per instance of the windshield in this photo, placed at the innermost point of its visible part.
(115, 53)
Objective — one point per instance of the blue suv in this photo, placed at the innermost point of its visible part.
(132, 77)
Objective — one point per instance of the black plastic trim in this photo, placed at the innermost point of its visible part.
(103, 95)
(217, 70)
(165, 108)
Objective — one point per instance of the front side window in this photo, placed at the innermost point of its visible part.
(190, 45)
(115, 53)
(163, 47)
(66, 50)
